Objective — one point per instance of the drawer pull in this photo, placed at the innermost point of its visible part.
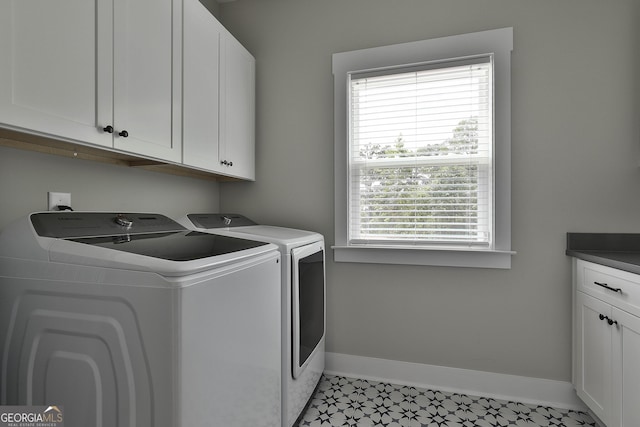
(604, 285)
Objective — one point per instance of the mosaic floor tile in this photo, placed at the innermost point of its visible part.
(350, 402)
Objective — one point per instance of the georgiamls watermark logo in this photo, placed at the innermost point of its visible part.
(31, 416)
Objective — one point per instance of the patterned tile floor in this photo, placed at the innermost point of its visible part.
(341, 401)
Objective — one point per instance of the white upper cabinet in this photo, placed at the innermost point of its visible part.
(219, 97)
(201, 49)
(147, 78)
(52, 58)
(237, 108)
(89, 71)
(130, 76)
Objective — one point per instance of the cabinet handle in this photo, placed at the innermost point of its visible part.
(108, 129)
(226, 163)
(609, 320)
(123, 134)
(604, 285)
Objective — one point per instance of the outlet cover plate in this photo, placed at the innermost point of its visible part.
(56, 199)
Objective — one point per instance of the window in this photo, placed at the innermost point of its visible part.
(423, 152)
(420, 146)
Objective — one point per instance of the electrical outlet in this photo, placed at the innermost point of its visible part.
(58, 199)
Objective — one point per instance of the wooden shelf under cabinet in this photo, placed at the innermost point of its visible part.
(29, 142)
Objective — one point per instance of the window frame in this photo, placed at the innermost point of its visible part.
(499, 44)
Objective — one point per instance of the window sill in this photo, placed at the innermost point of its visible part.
(478, 258)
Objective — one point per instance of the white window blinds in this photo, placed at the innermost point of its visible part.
(420, 154)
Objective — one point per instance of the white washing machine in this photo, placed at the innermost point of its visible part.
(132, 320)
(303, 301)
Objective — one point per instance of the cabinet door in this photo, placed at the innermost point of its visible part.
(594, 339)
(55, 67)
(201, 87)
(626, 368)
(147, 76)
(237, 108)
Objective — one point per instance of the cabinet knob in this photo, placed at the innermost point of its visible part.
(123, 133)
(108, 129)
(609, 320)
(226, 163)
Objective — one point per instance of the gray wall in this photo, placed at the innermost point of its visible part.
(575, 168)
(25, 178)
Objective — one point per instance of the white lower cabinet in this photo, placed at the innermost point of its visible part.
(607, 343)
(593, 364)
(626, 375)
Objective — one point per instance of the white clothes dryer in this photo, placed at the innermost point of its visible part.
(133, 320)
(303, 301)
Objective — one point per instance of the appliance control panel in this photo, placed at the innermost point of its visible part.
(72, 224)
(219, 220)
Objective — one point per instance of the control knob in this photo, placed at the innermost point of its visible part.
(123, 221)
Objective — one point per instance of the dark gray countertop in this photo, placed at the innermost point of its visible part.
(621, 251)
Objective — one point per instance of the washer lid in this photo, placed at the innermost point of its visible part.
(173, 246)
(239, 226)
(274, 234)
(147, 242)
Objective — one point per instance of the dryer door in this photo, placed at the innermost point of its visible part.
(308, 303)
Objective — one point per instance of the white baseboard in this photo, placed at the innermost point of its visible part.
(537, 391)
